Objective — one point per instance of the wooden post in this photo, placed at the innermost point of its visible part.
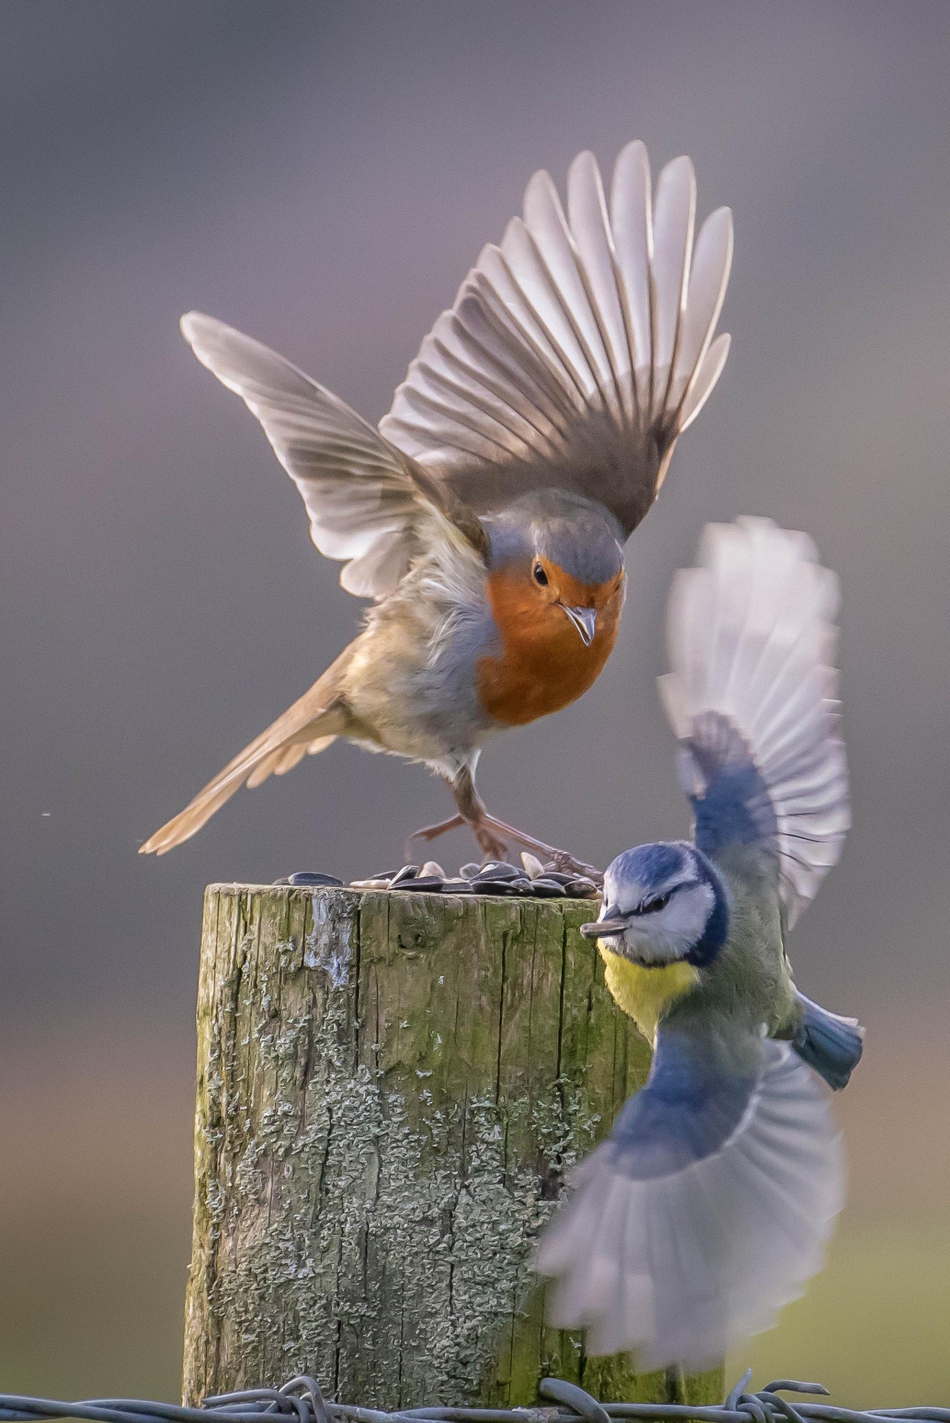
(389, 1089)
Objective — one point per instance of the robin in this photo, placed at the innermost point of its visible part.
(709, 1205)
(486, 516)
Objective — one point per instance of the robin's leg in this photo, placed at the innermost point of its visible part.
(564, 861)
(486, 829)
(472, 811)
(431, 832)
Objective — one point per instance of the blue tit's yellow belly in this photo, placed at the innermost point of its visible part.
(645, 993)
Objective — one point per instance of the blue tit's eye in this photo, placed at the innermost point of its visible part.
(653, 906)
(540, 576)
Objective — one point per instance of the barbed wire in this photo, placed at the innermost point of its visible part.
(301, 1401)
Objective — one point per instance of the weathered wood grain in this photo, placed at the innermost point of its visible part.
(390, 1088)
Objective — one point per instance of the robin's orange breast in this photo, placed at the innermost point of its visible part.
(543, 664)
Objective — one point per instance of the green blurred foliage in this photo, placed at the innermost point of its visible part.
(874, 1328)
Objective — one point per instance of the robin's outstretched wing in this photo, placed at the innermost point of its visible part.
(752, 697)
(367, 502)
(579, 349)
(704, 1212)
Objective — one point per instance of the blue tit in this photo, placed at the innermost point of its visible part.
(709, 1205)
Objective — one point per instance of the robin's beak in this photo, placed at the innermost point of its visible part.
(585, 620)
(605, 928)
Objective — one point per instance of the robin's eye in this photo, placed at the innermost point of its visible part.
(653, 906)
(539, 575)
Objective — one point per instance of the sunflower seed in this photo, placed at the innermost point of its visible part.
(547, 888)
(312, 877)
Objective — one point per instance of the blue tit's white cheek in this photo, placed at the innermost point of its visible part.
(671, 932)
(621, 895)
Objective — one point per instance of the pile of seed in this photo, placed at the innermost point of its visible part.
(531, 879)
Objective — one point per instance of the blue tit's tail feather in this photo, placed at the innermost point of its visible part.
(830, 1044)
(706, 1210)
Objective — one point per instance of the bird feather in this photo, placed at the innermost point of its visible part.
(752, 697)
(594, 328)
(704, 1212)
(367, 504)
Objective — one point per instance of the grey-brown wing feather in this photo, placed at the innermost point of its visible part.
(579, 349)
(367, 503)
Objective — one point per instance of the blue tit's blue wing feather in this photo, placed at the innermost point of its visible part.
(705, 1211)
(751, 696)
(695, 1098)
(735, 807)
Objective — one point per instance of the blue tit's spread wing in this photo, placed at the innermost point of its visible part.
(704, 1212)
(731, 801)
(579, 349)
(363, 497)
(752, 697)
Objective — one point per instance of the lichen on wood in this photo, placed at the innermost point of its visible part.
(390, 1090)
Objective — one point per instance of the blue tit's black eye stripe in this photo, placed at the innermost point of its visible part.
(653, 906)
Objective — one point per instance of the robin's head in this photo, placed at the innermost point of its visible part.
(560, 552)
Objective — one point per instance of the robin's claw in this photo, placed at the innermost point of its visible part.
(431, 832)
(493, 835)
(491, 847)
(562, 859)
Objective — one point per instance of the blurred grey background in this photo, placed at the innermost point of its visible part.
(322, 175)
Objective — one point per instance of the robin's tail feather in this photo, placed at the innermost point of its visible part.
(307, 727)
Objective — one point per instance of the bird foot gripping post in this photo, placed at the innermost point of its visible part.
(561, 860)
(391, 1087)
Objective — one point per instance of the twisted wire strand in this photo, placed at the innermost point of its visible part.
(301, 1400)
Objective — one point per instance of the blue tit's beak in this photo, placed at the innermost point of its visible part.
(605, 928)
(585, 620)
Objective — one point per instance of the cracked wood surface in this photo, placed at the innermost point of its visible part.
(390, 1088)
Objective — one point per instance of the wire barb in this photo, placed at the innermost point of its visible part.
(301, 1400)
